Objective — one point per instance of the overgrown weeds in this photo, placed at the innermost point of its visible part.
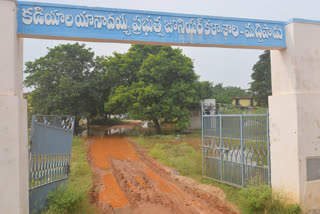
(74, 197)
(257, 199)
(182, 157)
(65, 200)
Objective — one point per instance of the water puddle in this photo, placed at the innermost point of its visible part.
(115, 131)
(101, 131)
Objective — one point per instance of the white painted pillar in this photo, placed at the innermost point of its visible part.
(13, 116)
(295, 114)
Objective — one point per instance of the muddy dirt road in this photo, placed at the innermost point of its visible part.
(127, 181)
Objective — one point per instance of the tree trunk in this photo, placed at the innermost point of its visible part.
(157, 126)
(76, 126)
(88, 126)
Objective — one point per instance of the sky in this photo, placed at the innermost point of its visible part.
(232, 67)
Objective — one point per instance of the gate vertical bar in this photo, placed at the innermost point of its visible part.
(202, 137)
(221, 150)
(268, 148)
(242, 152)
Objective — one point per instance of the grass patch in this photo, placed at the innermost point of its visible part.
(186, 157)
(143, 143)
(260, 199)
(73, 197)
(182, 157)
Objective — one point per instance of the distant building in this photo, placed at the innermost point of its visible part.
(244, 101)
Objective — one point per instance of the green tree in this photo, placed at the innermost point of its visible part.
(205, 90)
(261, 76)
(220, 93)
(65, 82)
(165, 87)
(122, 68)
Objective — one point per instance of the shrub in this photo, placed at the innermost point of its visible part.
(261, 199)
(64, 200)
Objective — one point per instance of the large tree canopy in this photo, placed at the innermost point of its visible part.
(261, 76)
(66, 82)
(165, 86)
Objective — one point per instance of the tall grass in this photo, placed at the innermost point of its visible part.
(261, 199)
(182, 157)
(74, 197)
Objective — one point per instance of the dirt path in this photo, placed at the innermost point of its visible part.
(127, 181)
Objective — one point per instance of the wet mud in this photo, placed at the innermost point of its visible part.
(128, 181)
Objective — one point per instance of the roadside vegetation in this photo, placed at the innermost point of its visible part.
(261, 199)
(73, 198)
(184, 155)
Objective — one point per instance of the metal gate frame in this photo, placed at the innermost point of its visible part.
(49, 157)
(236, 148)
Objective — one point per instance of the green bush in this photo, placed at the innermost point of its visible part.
(260, 199)
(64, 200)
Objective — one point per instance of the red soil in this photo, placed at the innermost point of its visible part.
(140, 181)
(111, 147)
(112, 192)
(126, 182)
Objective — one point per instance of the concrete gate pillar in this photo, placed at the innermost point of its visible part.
(13, 116)
(295, 115)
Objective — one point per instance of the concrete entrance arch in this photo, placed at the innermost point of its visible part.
(294, 105)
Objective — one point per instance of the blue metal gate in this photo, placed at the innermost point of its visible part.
(49, 157)
(235, 147)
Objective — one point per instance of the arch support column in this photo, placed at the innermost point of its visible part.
(13, 116)
(295, 115)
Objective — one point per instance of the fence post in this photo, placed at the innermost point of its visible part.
(242, 152)
(221, 150)
(202, 139)
(268, 148)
